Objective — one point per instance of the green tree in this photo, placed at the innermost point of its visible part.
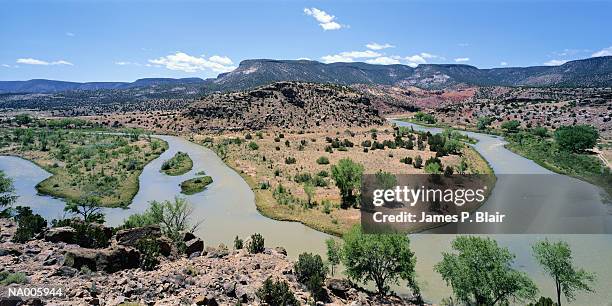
(347, 175)
(511, 126)
(384, 259)
(7, 194)
(333, 253)
(276, 293)
(23, 119)
(173, 217)
(310, 271)
(385, 180)
(89, 208)
(556, 259)
(576, 138)
(481, 273)
(484, 122)
(310, 192)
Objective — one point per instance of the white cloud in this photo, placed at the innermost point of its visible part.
(462, 59)
(503, 64)
(384, 60)
(377, 46)
(427, 55)
(187, 63)
(463, 44)
(350, 56)
(222, 60)
(603, 52)
(70, 34)
(415, 60)
(33, 61)
(326, 21)
(304, 59)
(122, 63)
(555, 62)
(5, 65)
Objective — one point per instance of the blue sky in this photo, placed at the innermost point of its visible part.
(98, 40)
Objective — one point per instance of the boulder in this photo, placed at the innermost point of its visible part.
(109, 260)
(339, 287)
(131, 236)
(61, 234)
(194, 246)
(188, 236)
(281, 250)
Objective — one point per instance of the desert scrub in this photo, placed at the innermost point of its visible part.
(195, 185)
(85, 162)
(179, 164)
(7, 278)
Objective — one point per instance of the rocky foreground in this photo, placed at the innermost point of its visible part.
(109, 276)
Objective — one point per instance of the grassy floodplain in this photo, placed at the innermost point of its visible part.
(195, 185)
(179, 164)
(544, 151)
(84, 163)
(290, 172)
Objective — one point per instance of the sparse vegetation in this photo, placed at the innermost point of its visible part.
(195, 185)
(84, 164)
(179, 164)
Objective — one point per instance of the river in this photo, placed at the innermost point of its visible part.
(228, 209)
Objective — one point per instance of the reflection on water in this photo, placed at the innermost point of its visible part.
(228, 209)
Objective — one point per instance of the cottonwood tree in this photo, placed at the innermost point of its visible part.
(576, 138)
(89, 208)
(347, 175)
(480, 273)
(333, 253)
(556, 259)
(7, 195)
(384, 259)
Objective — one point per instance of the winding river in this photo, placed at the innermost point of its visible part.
(228, 209)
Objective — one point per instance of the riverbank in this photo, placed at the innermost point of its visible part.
(289, 173)
(84, 164)
(582, 166)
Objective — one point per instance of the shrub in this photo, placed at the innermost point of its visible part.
(149, 251)
(319, 181)
(87, 235)
(423, 117)
(248, 136)
(253, 145)
(310, 271)
(302, 177)
(238, 243)
(290, 160)
(406, 160)
(7, 278)
(29, 224)
(323, 160)
(418, 162)
(327, 207)
(256, 244)
(511, 126)
(448, 171)
(329, 149)
(276, 293)
(333, 253)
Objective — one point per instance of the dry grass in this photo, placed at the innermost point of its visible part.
(261, 166)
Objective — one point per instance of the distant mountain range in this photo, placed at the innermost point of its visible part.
(591, 72)
(51, 86)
